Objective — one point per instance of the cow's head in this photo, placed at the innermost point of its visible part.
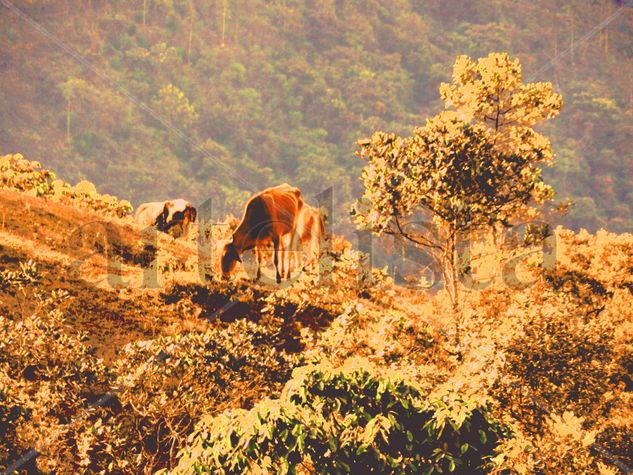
(190, 214)
(176, 212)
(230, 258)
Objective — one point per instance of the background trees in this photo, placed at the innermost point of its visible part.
(290, 86)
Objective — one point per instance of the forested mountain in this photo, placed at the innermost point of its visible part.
(218, 98)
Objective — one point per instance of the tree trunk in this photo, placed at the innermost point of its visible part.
(68, 138)
(450, 273)
(223, 22)
(190, 33)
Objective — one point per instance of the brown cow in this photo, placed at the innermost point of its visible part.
(309, 234)
(173, 216)
(268, 216)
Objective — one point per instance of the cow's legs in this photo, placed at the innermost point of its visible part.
(313, 253)
(287, 257)
(297, 250)
(282, 258)
(276, 258)
(258, 259)
(291, 250)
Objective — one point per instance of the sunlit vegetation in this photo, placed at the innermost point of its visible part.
(548, 366)
(347, 420)
(467, 170)
(518, 363)
(20, 174)
(348, 372)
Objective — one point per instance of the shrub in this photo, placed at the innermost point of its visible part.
(351, 419)
(556, 352)
(19, 174)
(47, 377)
(50, 381)
(563, 447)
(169, 383)
(565, 363)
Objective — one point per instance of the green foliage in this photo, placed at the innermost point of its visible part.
(467, 170)
(287, 87)
(451, 169)
(168, 383)
(384, 390)
(19, 174)
(351, 419)
(173, 103)
(50, 378)
(553, 357)
(48, 375)
(565, 357)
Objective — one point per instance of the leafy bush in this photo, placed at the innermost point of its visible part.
(19, 174)
(47, 376)
(562, 447)
(553, 356)
(566, 362)
(168, 383)
(351, 419)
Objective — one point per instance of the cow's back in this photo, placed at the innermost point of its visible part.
(284, 205)
(147, 213)
(271, 213)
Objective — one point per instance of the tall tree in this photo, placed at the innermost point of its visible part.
(465, 170)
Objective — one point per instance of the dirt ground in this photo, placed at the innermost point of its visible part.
(103, 264)
(108, 267)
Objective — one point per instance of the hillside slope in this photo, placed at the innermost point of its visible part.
(125, 285)
(92, 339)
(90, 257)
(100, 374)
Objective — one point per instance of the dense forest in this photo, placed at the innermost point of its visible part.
(218, 98)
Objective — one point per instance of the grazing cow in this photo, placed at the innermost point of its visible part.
(172, 216)
(268, 217)
(309, 233)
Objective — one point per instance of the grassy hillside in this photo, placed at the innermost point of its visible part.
(105, 370)
(215, 99)
(122, 349)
